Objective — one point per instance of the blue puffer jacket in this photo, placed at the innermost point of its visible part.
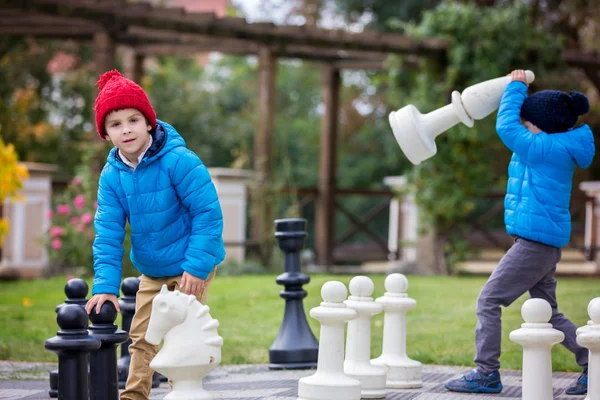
(172, 208)
(540, 174)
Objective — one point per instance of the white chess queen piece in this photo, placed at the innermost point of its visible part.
(416, 132)
(330, 382)
(537, 337)
(192, 345)
(402, 371)
(358, 340)
(589, 337)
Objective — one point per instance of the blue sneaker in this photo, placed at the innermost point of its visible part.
(476, 382)
(580, 387)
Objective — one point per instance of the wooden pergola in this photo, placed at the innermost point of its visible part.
(148, 30)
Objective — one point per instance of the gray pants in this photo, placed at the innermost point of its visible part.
(526, 266)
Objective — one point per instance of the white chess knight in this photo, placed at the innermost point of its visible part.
(589, 337)
(416, 132)
(358, 340)
(192, 345)
(537, 336)
(402, 371)
(330, 382)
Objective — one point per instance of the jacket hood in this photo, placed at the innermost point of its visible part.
(579, 142)
(164, 139)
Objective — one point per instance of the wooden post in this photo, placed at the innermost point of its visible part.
(325, 213)
(262, 207)
(133, 65)
(104, 48)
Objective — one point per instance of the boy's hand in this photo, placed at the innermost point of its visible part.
(191, 284)
(99, 299)
(519, 76)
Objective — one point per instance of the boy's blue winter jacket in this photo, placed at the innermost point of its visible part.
(172, 208)
(540, 174)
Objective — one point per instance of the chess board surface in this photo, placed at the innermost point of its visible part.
(257, 382)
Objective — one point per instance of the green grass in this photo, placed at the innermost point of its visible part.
(249, 309)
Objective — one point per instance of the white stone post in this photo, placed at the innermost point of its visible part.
(537, 337)
(402, 372)
(358, 340)
(231, 186)
(592, 219)
(330, 382)
(589, 337)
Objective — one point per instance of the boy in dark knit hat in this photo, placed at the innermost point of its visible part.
(547, 148)
(165, 192)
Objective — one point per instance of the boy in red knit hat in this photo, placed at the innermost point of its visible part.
(165, 192)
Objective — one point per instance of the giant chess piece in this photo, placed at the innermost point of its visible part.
(295, 346)
(358, 340)
(537, 337)
(76, 291)
(416, 132)
(330, 382)
(589, 337)
(103, 362)
(402, 371)
(72, 344)
(192, 345)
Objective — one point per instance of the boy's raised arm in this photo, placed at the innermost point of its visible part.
(197, 192)
(527, 145)
(109, 224)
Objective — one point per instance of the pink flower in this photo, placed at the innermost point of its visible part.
(74, 221)
(95, 205)
(64, 209)
(86, 218)
(56, 244)
(49, 214)
(56, 231)
(76, 181)
(80, 228)
(79, 201)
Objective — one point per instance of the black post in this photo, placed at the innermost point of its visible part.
(72, 343)
(76, 291)
(295, 346)
(129, 288)
(103, 362)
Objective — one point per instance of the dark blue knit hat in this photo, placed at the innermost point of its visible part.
(554, 111)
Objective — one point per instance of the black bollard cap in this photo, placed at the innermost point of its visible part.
(107, 315)
(72, 317)
(130, 286)
(290, 225)
(76, 289)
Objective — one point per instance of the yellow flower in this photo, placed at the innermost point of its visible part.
(26, 302)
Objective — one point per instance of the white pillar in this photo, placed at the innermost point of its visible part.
(358, 340)
(402, 372)
(592, 217)
(589, 337)
(330, 382)
(537, 337)
(231, 186)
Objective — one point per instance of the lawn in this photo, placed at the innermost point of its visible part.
(249, 309)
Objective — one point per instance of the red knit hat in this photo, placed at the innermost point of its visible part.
(117, 93)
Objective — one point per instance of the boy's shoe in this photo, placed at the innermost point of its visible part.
(476, 382)
(580, 387)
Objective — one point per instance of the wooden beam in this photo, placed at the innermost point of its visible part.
(262, 215)
(325, 212)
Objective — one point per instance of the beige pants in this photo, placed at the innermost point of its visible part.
(139, 381)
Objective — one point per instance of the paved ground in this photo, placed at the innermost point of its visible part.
(255, 382)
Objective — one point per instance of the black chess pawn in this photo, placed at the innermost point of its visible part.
(103, 362)
(129, 288)
(295, 346)
(76, 291)
(72, 344)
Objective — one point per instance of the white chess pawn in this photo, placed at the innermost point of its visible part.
(416, 133)
(589, 337)
(402, 372)
(358, 340)
(330, 382)
(537, 337)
